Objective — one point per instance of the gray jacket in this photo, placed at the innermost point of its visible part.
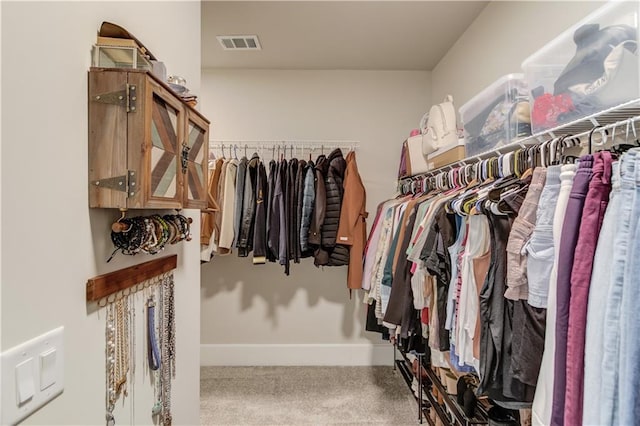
(308, 200)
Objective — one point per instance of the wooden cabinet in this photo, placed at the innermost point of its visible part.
(147, 148)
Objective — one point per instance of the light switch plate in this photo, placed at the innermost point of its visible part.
(25, 381)
(48, 368)
(34, 364)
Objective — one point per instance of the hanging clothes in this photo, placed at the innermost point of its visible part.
(272, 224)
(220, 204)
(225, 243)
(599, 289)
(352, 229)
(240, 187)
(260, 228)
(280, 215)
(247, 223)
(596, 202)
(543, 399)
(299, 199)
(291, 206)
(569, 239)
(319, 209)
(523, 279)
(619, 320)
(330, 252)
(308, 203)
(208, 219)
(287, 211)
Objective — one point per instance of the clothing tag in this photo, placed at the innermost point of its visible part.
(343, 238)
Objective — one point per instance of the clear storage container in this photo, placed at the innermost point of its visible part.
(497, 115)
(589, 68)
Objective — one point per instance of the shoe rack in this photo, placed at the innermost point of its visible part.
(439, 407)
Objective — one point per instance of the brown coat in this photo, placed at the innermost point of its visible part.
(352, 230)
(209, 218)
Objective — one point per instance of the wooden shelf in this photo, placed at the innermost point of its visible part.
(112, 282)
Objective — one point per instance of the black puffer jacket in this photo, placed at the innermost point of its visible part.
(334, 189)
(330, 253)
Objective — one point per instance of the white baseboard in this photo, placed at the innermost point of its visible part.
(294, 354)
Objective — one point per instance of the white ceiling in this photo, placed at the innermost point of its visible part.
(380, 35)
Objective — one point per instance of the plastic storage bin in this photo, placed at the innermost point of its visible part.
(589, 68)
(497, 115)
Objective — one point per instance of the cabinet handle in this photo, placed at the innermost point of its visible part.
(185, 158)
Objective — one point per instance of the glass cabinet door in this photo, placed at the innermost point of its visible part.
(194, 162)
(164, 156)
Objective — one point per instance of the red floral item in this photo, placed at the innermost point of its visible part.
(547, 108)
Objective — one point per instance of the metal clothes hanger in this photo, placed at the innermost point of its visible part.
(563, 144)
(591, 138)
(212, 159)
(627, 144)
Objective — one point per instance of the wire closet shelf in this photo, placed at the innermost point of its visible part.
(619, 118)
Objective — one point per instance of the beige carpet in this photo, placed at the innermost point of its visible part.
(305, 395)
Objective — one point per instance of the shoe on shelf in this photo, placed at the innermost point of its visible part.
(424, 395)
(414, 369)
(414, 385)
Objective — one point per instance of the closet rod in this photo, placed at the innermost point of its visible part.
(280, 145)
(315, 145)
(261, 142)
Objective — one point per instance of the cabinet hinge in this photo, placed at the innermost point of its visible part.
(127, 98)
(125, 183)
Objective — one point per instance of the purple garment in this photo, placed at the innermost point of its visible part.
(568, 242)
(592, 217)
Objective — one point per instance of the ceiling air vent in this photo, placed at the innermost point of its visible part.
(239, 42)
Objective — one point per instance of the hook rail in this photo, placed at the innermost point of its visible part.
(113, 282)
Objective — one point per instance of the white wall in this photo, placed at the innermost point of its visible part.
(246, 304)
(0, 186)
(51, 241)
(496, 43)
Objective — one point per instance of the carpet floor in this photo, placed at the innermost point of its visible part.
(304, 395)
